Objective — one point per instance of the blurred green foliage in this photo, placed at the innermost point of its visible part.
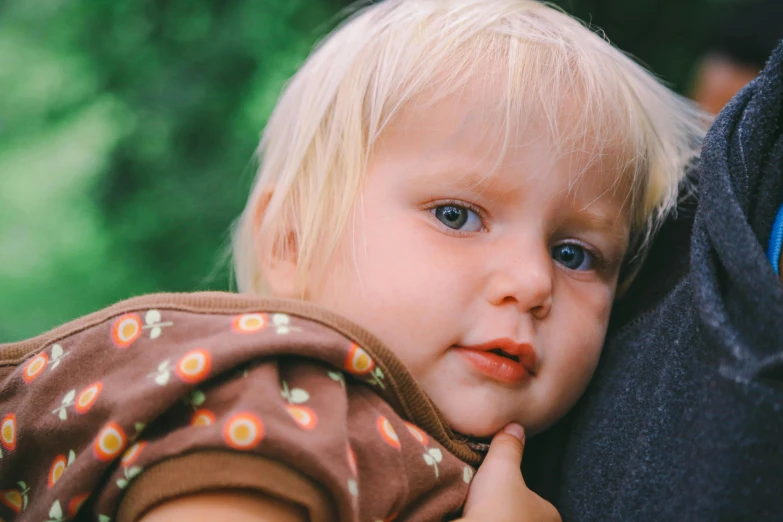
(127, 130)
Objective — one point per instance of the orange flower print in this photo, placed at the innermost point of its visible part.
(8, 432)
(87, 397)
(358, 362)
(110, 442)
(304, 416)
(249, 323)
(126, 330)
(132, 454)
(352, 461)
(57, 469)
(202, 417)
(16, 499)
(387, 432)
(76, 504)
(417, 433)
(243, 431)
(34, 368)
(194, 366)
(12, 499)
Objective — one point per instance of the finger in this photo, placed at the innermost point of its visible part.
(507, 447)
(501, 467)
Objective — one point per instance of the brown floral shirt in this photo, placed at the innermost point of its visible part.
(174, 394)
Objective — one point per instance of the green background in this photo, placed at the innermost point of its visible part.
(127, 130)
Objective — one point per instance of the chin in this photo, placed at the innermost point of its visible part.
(481, 426)
(479, 411)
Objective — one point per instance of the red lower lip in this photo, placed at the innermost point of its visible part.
(495, 366)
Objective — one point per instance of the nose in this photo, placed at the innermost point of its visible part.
(523, 278)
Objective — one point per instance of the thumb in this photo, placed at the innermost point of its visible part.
(506, 449)
(500, 469)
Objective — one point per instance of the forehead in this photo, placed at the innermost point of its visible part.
(470, 139)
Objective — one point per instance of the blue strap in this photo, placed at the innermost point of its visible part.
(776, 241)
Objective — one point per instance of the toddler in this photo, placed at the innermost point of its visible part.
(449, 194)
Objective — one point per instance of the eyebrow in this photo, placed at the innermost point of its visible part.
(597, 219)
(603, 222)
(466, 179)
(470, 179)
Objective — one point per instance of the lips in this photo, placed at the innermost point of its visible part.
(501, 359)
(504, 353)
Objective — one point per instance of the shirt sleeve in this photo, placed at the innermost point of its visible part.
(140, 404)
(299, 431)
(206, 470)
(278, 427)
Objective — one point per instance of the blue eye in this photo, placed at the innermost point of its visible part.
(458, 218)
(573, 256)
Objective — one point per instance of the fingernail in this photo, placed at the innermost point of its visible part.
(515, 430)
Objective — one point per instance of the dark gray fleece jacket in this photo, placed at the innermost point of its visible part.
(684, 418)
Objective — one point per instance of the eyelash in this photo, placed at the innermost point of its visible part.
(601, 263)
(599, 260)
(480, 212)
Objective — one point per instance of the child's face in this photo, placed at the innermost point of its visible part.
(435, 261)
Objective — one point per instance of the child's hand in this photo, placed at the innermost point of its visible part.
(498, 492)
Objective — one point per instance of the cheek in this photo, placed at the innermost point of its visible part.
(401, 249)
(381, 277)
(595, 322)
(589, 313)
(408, 285)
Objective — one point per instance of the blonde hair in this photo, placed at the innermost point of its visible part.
(321, 134)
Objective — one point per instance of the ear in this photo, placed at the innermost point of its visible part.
(278, 262)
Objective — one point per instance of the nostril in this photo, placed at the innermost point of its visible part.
(510, 299)
(540, 311)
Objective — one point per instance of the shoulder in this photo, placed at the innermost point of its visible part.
(218, 392)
